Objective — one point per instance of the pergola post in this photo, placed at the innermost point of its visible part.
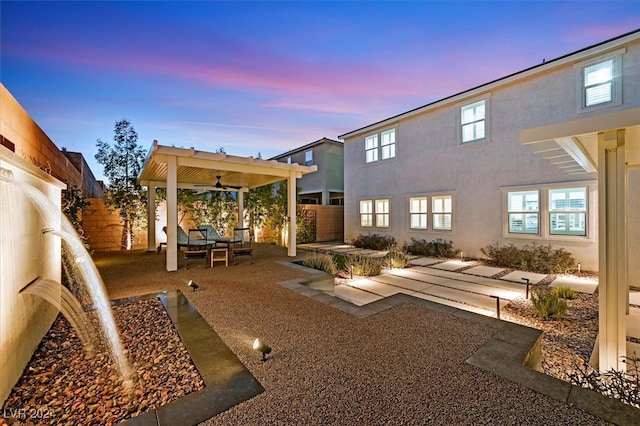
(151, 217)
(613, 284)
(240, 209)
(172, 213)
(291, 205)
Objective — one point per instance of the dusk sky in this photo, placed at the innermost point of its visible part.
(266, 77)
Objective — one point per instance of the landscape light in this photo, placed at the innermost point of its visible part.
(261, 346)
(193, 285)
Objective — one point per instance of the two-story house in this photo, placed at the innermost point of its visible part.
(547, 155)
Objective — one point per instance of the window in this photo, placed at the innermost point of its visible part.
(382, 213)
(442, 210)
(598, 83)
(289, 160)
(371, 148)
(524, 211)
(418, 213)
(366, 213)
(308, 158)
(380, 146)
(388, 144)
(568, 211)
(472, 120)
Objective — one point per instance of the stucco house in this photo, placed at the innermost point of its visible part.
(547, 155)
(326, 186)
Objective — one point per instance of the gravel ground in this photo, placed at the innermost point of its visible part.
(401, 366)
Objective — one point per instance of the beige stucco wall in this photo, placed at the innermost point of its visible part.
(25, 255)
(429, 158)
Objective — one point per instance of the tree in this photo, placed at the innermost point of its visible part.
(122, 164)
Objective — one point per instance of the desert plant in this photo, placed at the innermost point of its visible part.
(365, 266)
(565, 292)
(321, 261)
(435, 248)
(546, 303)
(616, 384)
(531, 257)
(396, 258)
(374, 242)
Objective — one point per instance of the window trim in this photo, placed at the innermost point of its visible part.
(384, 215)
(487, 119)
(369, 213)
(373, 215)
(568, 211)
(511, 211)
(616, 81)
(421, 214)
(308, 161)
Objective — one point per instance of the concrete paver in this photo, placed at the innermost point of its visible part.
(581, 285)
(484, 271)
(426, 261)
(451, 265)
(356, 296)
(402, 282)
(376, 287)
(517, 276)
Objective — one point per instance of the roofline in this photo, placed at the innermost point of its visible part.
(623, 38)
(307, 146)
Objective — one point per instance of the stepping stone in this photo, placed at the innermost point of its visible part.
(354, 295)
(376, 287)
(581, 285)
(425, 261)
(516, 276)
(451, 265)
(402, 282)
(461, 306)
(483, 271)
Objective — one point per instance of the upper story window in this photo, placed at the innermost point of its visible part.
(442, 210)
(380, 146)
(289, 160)
(568, 211)
(473, 121)
(599, 82)
(308, 158)
(418, 212)
(524, 212)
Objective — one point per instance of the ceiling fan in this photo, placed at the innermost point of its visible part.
(218, 185)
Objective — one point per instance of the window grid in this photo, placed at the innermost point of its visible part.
(382, 213)
(366, 213)
(598, 83)
(472, 119)
(371, 148)
(308, 158)
(418, 212)
(380, 146)
(568, 211)
(441, 206)
(388, 144)
(524, 212)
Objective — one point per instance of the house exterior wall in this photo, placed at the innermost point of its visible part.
(431, 160)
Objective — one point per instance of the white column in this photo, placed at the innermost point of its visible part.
(172, 214)
(151, 217)
(613, 284)
(291, 205)
(240, 209)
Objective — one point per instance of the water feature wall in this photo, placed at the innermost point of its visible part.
(25, 256)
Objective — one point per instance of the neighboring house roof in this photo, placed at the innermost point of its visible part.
(305, 147)
(536, 69)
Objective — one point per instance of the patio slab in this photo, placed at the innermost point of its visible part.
(356, 296)
(425, 261)
(451, 265)
(581, 285)
(484, 271)
(516, 276)
(376, 287)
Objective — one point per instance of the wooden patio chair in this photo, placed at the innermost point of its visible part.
(197, 247)
(242, 244)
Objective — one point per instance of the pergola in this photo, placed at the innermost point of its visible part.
(610, 145)
(172, 168)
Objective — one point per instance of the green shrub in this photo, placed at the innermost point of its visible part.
(374, 242)
(565, 292)
(531, 257)
(365, 266)
(546, 303)
(396, 258)
(435, 248)
(321, 261)
(616, 384)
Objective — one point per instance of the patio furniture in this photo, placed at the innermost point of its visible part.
(213, 236)
(242, 244)
(197, 245)
(220, 254)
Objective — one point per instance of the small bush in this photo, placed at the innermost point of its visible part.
(435, 248)
(396, 258)
(546, 303)
(622, 385)
(565, 293)
(321, 261)
(531, 257)
(358, 264)
(374, 242)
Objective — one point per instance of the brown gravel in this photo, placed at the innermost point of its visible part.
(402, 366)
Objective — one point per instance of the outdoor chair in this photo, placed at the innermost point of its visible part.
(213, 236)
(242, 244)
(196, 247)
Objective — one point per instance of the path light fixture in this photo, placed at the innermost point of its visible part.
(193, 285)
(526, 280)
(261, 346)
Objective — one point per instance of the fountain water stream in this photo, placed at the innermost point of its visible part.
(88, 275)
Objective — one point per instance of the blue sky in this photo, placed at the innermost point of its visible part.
(265, 77)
